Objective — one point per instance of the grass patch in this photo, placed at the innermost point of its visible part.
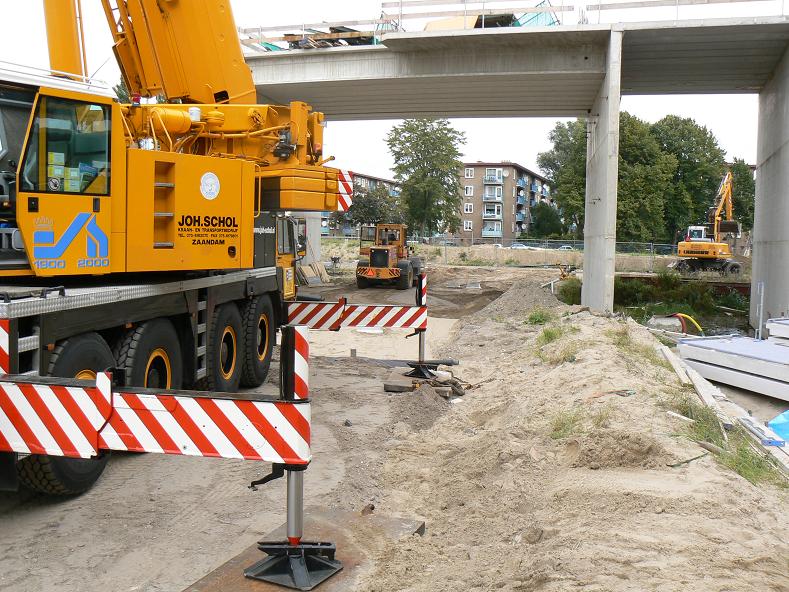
(549, 335)
(565, 423)
(624, 342)
(602, 417)
(511, 261)
(539, 316)
(476, 261)
(570, 291)
(739, 453)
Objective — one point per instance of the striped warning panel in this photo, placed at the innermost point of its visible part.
(316, 315)
(345, 198)
(301, 367)
(52, 419)
(276, 432)
(406, 317)
(5, 351)
(41, 418)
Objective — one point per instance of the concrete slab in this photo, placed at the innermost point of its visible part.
(353, 534)
(397, 382)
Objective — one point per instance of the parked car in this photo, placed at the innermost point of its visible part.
(518, 246)
(567, 248)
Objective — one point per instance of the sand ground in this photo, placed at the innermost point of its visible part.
(509, 503)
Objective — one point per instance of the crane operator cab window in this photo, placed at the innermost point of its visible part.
(69, 148)
(389, 236)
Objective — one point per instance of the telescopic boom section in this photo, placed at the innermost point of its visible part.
(183, 49)
(64, 38)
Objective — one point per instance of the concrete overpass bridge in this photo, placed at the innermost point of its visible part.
(570, 71)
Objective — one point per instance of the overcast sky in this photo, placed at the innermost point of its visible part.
(360, 146)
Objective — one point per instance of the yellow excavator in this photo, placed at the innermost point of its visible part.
(704, 248)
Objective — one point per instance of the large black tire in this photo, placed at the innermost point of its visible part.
(257, 317)
(733, 268)
(416, 263)
(362, 282)
(406, 279)
(81, 356)
(225, 344)
(151, 356)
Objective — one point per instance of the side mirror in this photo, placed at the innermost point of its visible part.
(301, 246)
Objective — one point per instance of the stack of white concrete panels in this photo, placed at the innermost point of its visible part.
(761, 366)
(778, 330)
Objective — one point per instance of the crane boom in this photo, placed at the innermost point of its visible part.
(724, 203)
(185, 50)
(64, 38)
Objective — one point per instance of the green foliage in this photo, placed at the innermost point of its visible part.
(375, 206)
(700, 166)
(743, 193)
(565, 167)
(644, 182)
(733, 299)
(426, 155)
(545, 221)
(122, 92)
(565, 423)
(462, 255)
(549, 335)
(570, 291)
(539, 316)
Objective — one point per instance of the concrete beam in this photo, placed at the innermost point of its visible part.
(771, 218)
(602, 169)
(448, 77)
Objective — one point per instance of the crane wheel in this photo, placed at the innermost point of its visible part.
(257, 318)
(733, 268)
(81, 356)
(225, 344)
(150, 354)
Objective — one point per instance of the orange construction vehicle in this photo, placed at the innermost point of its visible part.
(704, 248)
(389, 259)
(149, 237)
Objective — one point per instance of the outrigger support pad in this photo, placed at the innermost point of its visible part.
(301, 567)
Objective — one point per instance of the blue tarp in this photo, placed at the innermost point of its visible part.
(780, 425)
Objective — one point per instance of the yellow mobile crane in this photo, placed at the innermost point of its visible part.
(152, 238)
(703, 248)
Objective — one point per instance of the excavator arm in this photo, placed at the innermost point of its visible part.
(184, 49)
(724, 203)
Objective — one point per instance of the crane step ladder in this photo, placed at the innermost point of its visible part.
(85, 418)
(333, 316)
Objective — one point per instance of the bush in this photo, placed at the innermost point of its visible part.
(570, 291)
(539, 316)
(462, 255)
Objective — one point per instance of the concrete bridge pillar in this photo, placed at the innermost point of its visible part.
(771, 218)
(602, 168)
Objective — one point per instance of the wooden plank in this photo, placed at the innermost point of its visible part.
(676, 364)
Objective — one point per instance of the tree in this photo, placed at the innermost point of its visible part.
(427, 160)
(700, 166)
(645, 174)
(643, 180)
(375, 206)
(545, 221)
(565, 167)
(743, 193)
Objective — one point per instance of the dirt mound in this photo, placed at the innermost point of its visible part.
(615, 448)
(419, 409)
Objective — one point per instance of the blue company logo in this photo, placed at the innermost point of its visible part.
(48, 253)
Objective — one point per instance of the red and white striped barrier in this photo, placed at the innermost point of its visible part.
(331, 316)
(386, 316)
(301, 367)
(49, 416)
(317, 315)
(345, 182)
(5, 351)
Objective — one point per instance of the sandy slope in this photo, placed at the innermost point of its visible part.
(510, 508)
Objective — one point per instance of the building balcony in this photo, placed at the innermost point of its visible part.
(520, 216)
(491, 216)
(535, 188)
(520, 200)
(492, 198)
(492, 180)
(521, 183)
(491, 233)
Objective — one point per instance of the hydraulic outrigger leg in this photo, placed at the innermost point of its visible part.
(293, 563)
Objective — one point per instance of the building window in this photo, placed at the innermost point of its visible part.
(493, 191)
(493, 173)
(468, 225)
(469, 173)
(469, 190)
(468, 208)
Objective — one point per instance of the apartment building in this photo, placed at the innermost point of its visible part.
(360, 180)
(497, 197)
